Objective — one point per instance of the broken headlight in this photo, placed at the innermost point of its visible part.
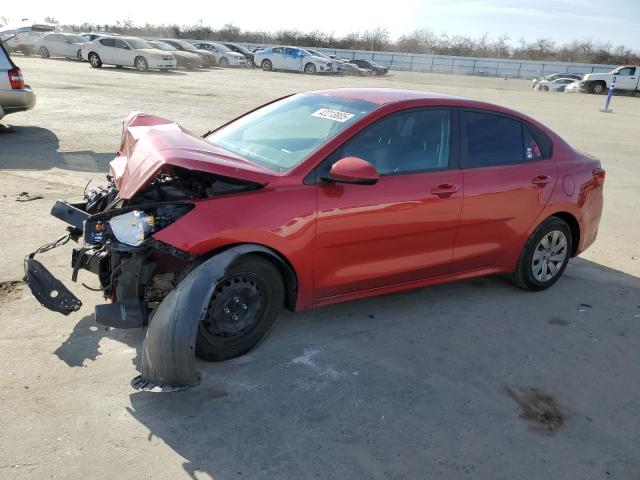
(132, 226)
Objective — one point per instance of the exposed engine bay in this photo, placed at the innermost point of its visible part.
(134, 270)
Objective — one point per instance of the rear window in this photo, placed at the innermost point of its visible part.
(5, 61)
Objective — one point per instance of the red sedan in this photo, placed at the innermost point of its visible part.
(314, 199)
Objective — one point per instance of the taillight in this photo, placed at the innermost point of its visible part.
(15, 79)
(599, 174)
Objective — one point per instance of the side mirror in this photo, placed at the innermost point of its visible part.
(352, 170)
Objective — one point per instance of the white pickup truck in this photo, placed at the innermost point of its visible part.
(627, 78)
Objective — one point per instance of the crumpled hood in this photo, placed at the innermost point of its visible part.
(150, 144)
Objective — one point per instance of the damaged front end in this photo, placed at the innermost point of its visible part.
(147, 191)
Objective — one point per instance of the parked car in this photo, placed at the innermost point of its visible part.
(127, 52)
(184, 58)
(208, 58)
(369, 65)
(573, 87)
(225, 57)
(555, 76)
(627, 79)
(338, 66)
(353, 69)
(66, 45)
(315, 199)
(248, 55)
(22, 36)
(557, 85)
(293, 59)
(15, 96)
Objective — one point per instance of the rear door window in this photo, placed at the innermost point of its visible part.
(491, 139)
(107, 42)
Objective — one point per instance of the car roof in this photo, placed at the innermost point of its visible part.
(381, 96)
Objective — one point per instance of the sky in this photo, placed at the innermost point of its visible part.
(614, 21)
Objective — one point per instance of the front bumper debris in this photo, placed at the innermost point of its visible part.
(48, 290)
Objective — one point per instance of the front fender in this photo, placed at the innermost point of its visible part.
(168, 357)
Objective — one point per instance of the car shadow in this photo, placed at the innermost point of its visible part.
(83, 343)
(420, 384)
(132, 70)
(37, 148)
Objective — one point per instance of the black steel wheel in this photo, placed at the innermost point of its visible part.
(242, 310)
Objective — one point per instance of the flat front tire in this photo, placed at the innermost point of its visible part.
(242, 311)
(545, 256)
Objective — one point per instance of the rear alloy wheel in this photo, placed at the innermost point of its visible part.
(141, 64)
(223, 62)
(266, 65)
(94, 60)
(44, 52)
(242, 311)
(598, 88)
(310, 68)
(545, 256)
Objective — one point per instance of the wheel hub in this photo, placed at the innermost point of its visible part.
(236, 305)
(549, 256)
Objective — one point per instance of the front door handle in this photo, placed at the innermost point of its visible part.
(541, 180)
(445, 189)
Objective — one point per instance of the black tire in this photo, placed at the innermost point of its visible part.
(525, 276)
(242, 311)
(44, 52)
(94, 60)
(223, 62)
(310, 68)
(545, 88)
(141, 64)
(598, 88)
(266, 65)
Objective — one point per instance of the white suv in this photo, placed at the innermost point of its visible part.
(126, 51)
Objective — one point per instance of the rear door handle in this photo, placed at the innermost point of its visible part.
(445, 189)
(541, 180)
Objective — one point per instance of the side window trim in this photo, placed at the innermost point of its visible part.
(462, 144)
(317, 173)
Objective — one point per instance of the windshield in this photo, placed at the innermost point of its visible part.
(318, 54)
(164, 46)
(137, 43)
(240, 48)
(281, 135)
(186, 45)
(222, 47)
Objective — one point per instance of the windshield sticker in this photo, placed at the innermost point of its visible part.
(335, 115)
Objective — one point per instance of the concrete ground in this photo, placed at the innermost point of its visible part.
(475, 379)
